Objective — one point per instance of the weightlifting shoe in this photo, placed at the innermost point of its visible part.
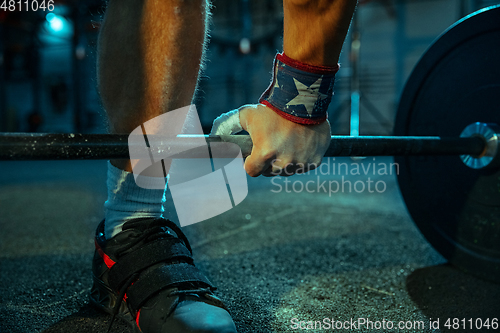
(146, 276)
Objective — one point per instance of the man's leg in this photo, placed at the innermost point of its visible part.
(148, 64)
(149, 59)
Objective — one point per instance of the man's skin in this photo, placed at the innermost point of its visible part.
(149, 61)
(314, 31)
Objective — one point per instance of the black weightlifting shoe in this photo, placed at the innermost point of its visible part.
(146, 276)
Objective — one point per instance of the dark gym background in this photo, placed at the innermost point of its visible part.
(275, 257)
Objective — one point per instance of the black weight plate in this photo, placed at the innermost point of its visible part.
(455, 83)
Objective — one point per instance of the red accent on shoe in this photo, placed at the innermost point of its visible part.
(137, 319)
(306, 67)
(107, 260)
(295, 119)
(125, 295)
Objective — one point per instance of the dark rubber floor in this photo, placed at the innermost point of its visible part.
(277, 258)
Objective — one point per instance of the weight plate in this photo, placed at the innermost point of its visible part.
(455, 83)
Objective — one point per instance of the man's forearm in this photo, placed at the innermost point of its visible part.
(314, 30)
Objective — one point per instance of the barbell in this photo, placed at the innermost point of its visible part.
(449, 108)
(478, 146)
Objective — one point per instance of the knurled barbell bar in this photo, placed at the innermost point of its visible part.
(478, 145)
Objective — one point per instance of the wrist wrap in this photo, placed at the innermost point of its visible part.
(300, 92)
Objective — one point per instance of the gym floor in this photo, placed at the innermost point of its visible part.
(350, 255)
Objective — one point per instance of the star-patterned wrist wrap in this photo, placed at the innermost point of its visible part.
(300, 92)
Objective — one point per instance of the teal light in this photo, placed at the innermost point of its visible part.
(56, 22)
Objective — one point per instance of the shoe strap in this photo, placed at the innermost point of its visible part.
(161, 250)
(163, 277)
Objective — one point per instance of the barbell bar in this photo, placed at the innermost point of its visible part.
(478, 142)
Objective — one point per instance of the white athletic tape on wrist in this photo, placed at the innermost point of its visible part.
(227, 123)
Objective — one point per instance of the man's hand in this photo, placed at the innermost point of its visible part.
(282, 147)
